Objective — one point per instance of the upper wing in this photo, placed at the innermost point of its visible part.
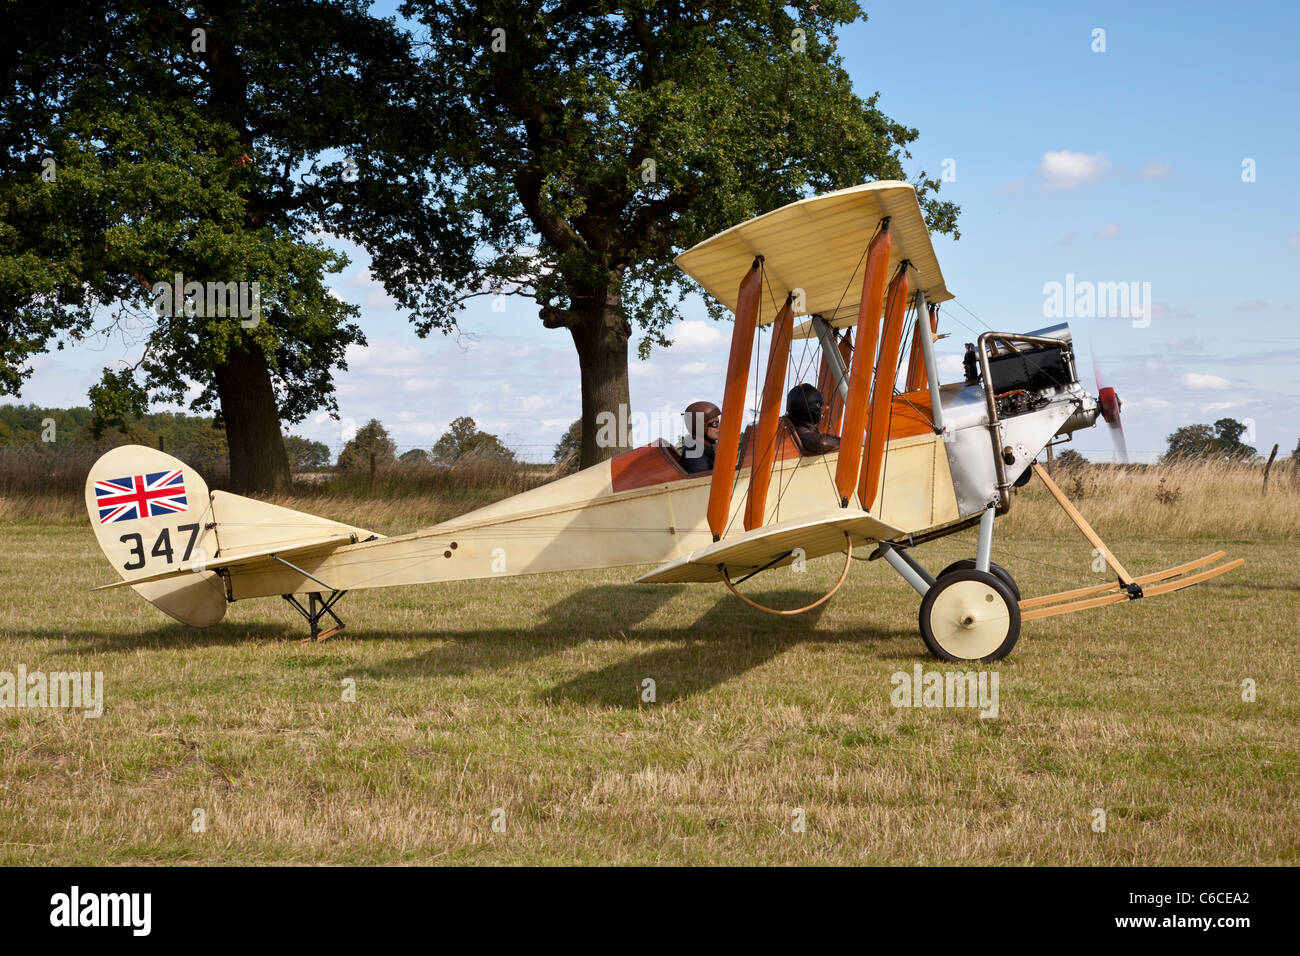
(773, 546)
(817, 245)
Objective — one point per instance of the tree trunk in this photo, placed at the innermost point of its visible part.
(601, 333)
(258, 462)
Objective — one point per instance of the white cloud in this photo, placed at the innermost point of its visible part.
(386, 358)
(1064, 169)
(360, 278)
(696, 334)
(1133, 404)
(1205, 380)
(1111, 230)
(1154, 171)
(950, 368)
(360, 286)
(515, 388)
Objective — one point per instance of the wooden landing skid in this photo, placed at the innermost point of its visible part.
(1127, 588)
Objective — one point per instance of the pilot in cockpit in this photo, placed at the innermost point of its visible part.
(700, 443)
(803, 409)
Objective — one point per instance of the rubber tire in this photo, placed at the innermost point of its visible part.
(968, 564)
(993, 582)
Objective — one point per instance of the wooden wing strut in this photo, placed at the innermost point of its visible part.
(733, 399)
(916, 377)
(864, 351)
(760, 477)
(882, 392)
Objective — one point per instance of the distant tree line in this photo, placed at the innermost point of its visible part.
(1220, 441)
(52, 431)
(200, 442)
(462, 442)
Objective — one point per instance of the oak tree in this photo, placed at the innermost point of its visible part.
(572, 150)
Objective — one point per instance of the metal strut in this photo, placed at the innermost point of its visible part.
(317, 608)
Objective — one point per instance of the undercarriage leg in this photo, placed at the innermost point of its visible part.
(984, 550)
(907, 567)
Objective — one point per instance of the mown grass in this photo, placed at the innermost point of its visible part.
(524, 695)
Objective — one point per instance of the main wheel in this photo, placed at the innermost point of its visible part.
(968, 564)
(970, 616)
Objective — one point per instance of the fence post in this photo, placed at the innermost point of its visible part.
(1269, 465)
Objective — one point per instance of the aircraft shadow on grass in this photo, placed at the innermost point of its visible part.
(727, 640)
(165, 637)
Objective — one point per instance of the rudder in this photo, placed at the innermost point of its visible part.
(150, 512)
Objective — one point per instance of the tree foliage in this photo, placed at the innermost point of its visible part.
(195, 439)
(413, 456)
(584, 145)
(464, 441)
(1204, 442)
(569, 448)
(305, 454)
(370, 440)
(202, 139)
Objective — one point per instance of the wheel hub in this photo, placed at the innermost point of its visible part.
(969, 620)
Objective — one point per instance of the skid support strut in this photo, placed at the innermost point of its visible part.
(317, 607)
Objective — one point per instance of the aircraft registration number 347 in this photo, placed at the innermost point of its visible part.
(162, 546)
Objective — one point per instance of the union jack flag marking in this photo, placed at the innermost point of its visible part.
(140, 496)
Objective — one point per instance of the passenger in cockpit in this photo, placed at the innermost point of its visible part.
(803, 409)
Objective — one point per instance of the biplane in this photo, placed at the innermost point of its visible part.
(917, 460)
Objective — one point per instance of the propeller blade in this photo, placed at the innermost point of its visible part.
(1117, 436)
(1110, 406)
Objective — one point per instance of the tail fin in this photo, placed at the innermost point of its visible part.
(179, 546)
(152, 512)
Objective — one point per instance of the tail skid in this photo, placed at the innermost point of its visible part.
(317, 607)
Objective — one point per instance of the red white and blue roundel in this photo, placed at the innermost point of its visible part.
(140, 496)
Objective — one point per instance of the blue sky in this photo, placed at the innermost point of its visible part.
(1115, 166)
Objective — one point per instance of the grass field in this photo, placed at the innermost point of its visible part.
(524, 696)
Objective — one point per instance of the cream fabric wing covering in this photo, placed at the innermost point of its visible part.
(817, 245)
